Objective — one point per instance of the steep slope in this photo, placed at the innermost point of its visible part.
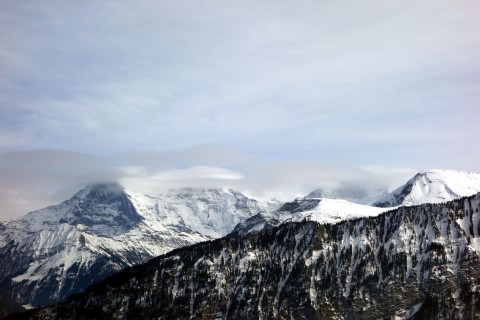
(210, 212)
(433, 186)
(49, 254)
(419, 262)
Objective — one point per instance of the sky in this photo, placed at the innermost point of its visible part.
(274, 98)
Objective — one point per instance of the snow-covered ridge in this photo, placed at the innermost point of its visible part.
(321, 210)
(335, 210)
(433, 186)
(324, 206)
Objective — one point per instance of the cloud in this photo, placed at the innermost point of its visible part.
(289, 179)
(390, 176)
(35, 179)
(140, 180)
(198, 172)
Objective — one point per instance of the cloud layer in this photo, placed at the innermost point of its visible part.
(35, 179)
(292, 86)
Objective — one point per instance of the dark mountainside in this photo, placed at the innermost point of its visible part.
(418, 262)
(8, 306)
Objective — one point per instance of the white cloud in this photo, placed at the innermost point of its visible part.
(198, 172)
(150, 182)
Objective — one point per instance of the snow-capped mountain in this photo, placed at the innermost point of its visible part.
(50, 253)
(412, 262)
(321, 210)
(326, 206)
(433, 186)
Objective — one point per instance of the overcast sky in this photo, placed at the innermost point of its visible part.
(277, 96)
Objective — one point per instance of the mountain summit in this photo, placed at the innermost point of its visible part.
(433, 186)
(102, 209)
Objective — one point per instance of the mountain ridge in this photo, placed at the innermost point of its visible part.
(321, 210)
(53, 252)
(325, 206)
(417, 262)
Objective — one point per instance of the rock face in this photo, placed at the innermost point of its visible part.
(50, 253)
(418, 262)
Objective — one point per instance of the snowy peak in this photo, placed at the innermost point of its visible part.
(433, 186)
(102, 209)
(103, 204)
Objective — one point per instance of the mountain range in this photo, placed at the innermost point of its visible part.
(433, 186)
(52, 253)
(412, 262)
